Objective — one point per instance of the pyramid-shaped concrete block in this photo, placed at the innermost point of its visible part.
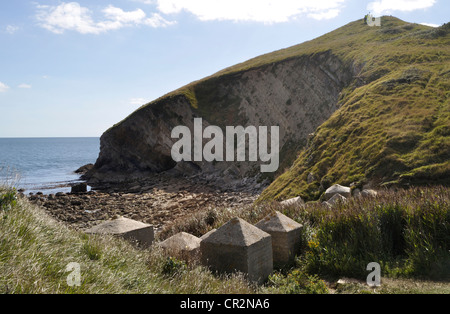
(286, 237)
(337, 189)
(369, 193)
(183, 245)
(297, 201)
(336, 199)
(128, 229)
(208, 234)
(239, 246)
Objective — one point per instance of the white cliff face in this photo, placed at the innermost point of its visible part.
(297, 95)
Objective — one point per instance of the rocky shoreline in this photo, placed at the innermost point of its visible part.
(159, 201)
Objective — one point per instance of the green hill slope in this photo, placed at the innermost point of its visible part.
(393, 125)
(358, 105)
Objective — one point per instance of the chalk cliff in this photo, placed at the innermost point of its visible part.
(297, 94)
(358, 104)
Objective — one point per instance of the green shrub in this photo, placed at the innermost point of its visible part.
(298, 282)
(173, 266)
(8, 199)
(428, 238)
(407, 233)
(92, 250)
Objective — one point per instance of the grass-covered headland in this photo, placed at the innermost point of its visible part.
(407, 232)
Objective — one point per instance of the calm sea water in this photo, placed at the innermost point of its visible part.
(45, 164)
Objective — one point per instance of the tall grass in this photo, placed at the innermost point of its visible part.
(35, 251)
(407, 232)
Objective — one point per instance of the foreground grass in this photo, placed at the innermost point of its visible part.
(406, 231)
(396, 286)
(35, 251)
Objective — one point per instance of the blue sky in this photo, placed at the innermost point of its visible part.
(70, 69)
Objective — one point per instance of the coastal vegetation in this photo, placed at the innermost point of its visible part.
(392, 125)
(407, 232)
(35, 251)
(389, 128)
(361, 105)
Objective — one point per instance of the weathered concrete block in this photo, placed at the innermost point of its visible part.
(286, 237)
(128, 229)
(239, 246)
(293, 201)
(183, 245)
(356, 192)
(337, 198)
(208, 234)
(329, 205)
(369, 193)
(337, 189)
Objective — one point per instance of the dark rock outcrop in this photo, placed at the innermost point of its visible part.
(79, 188)
(84, 169)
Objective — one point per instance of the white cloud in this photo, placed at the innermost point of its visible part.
(381, 7)
(266, 11)
(430, 24)
(66, 16)
(145, 1)
(72, 16)
(3, 87)
(24, 86)
(325, 15)
(157, 21)
(11, 29)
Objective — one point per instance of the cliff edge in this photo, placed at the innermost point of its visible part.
(360, 104)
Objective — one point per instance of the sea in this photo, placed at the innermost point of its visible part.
(45, 165)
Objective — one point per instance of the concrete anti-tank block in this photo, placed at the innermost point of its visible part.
(128, 229)
(286, 237)
(182, 245)
(239, 246)
(297, 201)
(337, 189)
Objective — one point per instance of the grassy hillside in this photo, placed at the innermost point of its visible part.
(393, 125)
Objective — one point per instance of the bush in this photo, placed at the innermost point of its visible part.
(173, 266)
(406, 232)
(8, 199)
(92, 250)
(298, 282)
(428, 236)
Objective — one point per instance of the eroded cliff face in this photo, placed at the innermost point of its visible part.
(141, 144)
(296, 94)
